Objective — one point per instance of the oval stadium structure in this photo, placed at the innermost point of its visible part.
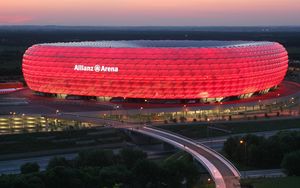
(161, 69)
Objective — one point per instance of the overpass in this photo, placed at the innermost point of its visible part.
(224, 174)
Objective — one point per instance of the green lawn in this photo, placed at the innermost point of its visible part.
(286, 182)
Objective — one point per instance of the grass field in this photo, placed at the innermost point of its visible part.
(286, 182)
(197, 131)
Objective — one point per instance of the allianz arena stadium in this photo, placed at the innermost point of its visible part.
(161, 69)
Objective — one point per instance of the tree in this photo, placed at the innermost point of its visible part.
(58, 161)
(130, 156)
(35, 182)
(28, 168)
(178, 171)
(256, 150)
(100, 158)
(147, 174)
(232, 148)
(6, 181)
(64, 177)
(112, 175)
(271, 147)
(291, 163)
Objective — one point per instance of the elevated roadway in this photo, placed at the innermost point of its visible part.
(224, 174)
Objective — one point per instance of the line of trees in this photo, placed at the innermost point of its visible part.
(103, 168)
(282, 149)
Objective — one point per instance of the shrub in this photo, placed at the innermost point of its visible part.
(100, 158)
(291, 163)
(130, 156)
(28, 168)
(58, 161)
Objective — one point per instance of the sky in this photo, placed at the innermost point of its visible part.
(150, 12)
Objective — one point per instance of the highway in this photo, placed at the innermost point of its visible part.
(224, 174)
(269, 173)
(13, 166)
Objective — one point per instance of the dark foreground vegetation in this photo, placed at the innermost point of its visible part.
(103, 168)
(14, 40)
(280, 150)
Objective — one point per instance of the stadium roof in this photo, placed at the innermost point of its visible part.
(160, 44)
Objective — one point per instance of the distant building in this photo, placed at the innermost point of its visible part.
(159, 69)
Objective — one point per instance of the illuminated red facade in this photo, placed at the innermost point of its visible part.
(155, 69)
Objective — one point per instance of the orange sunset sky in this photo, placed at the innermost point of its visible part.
(150, 12)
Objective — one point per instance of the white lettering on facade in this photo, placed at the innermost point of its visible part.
(96, 68)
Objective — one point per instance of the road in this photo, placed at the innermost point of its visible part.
(263, 173)
(13, 166)
(224, 174)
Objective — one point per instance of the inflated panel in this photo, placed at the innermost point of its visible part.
(155, 71)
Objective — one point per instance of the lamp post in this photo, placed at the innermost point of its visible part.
(11, 121)
(117, 115)
(184, 112)
(208, 182)
(23, 121)
(141, 108)
(219, 110)
(243, 142)
(207, 129)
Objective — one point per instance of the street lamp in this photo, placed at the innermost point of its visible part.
(243, 142)
(184, 113)
(12, 121)
(141, 108)
(23, 121)
(117, 115)
(209, 181)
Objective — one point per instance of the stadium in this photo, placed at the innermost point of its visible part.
(206, 71)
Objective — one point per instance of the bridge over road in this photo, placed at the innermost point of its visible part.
(224, 174)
